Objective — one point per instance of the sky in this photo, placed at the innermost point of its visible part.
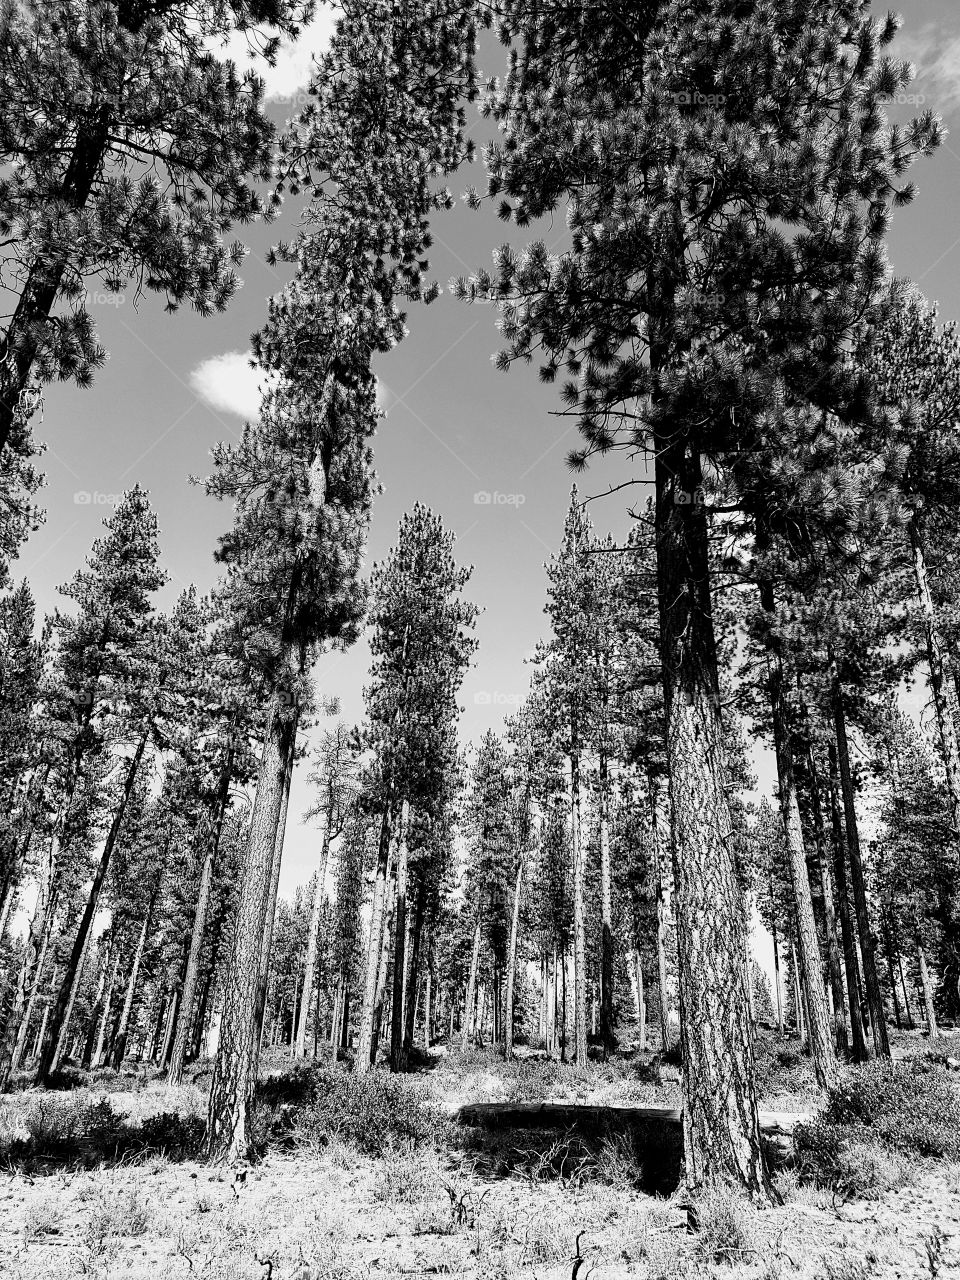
(486, 450)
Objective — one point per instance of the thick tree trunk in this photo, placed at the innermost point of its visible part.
(188, 998)
(397, 1020)
(266, 951)
(927, 988)
(512, 961)
(843, 910)
(471, 985)
(868, 946)
(383, 970)
(579, 908)
(63, 1005)
(721, 1122)
(811, 971)
(238, 1051)
(607, 1014)
(412, 981)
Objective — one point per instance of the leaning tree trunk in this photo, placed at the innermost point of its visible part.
(377, 920)
(663, 913)
(97, 1055)
(188, 998)
(720, 1117)
(811, 974)
(471, 985)
(238, 1051)
(59, 1014)
(512, 961)
(868, 945)
(607, 1035)
(843, 910)
(579, 907)
(313, 938)
(397, 1024)
(31, 968)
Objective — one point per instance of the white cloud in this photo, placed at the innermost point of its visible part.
(288, 79)
(228, 383)
(936, 59)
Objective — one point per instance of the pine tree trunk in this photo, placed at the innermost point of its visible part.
(641, 1003)
(383, 970)
(843, 909)
(720, 1116)
(428, 1008)
(31, 969)
(938, 667)
(238, 1050)
(471, 986)
(552, 1003)
(878, 1014)
(188, 998)
(811, 971)
(906, 996)
(313, 937)
(834, 960)
(927, 989)
(120, 1035)
(266, 951)
(66, 996)
(777, 982)
(607, 1015)
(169, 1028)
(579, 909)
(888, 947)
(377, 918)
(412, 981)
(97, 1055)
(397, 1022)
(663, 914)
(512, 961)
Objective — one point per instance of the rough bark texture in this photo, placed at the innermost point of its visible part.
(834, 960)
(266, 950)
(238, 1049)
(868, 946)
(721, 1125)
(512, 962)
(63, 1005)
(927, 988)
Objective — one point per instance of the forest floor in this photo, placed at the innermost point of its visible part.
(320, 1206)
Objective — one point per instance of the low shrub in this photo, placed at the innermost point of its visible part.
(68, 1131)
(848, 1161)
(913, 1107)
(726, 1227)
(373, 1112)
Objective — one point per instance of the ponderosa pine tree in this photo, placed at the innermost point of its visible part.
(680, 178)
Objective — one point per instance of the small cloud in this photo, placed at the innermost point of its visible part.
(936, 59)
(229, 383)
(287, 80)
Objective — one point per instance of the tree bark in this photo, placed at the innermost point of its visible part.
(811, 971)
(266, 951)
(721, 1121)
(776, 974)
(663, 914)
(235, 1067)
(383, 968)
(313, 937)
(188, 997)
(579, 907)
(97, 1054)
(512, 961)
(412, 981)
(397, 1021)
(59, 1015)
(878, 1014)
(927, 989)
(641, 1003)
(607, 1014)
(120, 1035)
(843, 908)
(829, 913)
(377, 915)
(471, 986)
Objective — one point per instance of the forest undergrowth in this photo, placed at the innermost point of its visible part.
(373, 1176)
